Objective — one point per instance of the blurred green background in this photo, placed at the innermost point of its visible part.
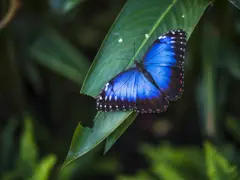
(47, 48)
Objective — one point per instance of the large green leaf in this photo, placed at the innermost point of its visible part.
(140, 23)
(137, 21)
(85, 139)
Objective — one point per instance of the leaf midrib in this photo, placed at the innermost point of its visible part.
(159, 20)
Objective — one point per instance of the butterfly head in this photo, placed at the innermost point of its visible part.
(135, 61)
(138, 64)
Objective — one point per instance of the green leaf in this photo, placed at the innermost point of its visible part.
(33, 75)
(233, 63)
(206, 89)
(141, 175)
(218, 167)
(233, 126)
(44, 168)
(53, 51)
(28, 149)
(140, 22)
(167, 161)
(136, 20)
(236, 3)
(167, 172)
(85, 139)
(7, 145)
(65, 6)
(112, 138)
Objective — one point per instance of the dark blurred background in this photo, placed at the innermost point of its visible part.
(46, 49)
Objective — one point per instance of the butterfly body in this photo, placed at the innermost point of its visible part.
(140, 68)
(156, 79)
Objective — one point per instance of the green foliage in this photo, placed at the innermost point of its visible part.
(236, 3)
(43, 169)
(27, 166)
(168, 162)
(61, 7)
(141, 175)
(7, 145)
(218, 167)
(27, 158)
(233, 126)
(119, 43)
(207, 93)
(45, 39)
(53, 51)
(136, 19)
(85, 139)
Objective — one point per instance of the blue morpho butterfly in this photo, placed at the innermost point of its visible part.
(156, 79)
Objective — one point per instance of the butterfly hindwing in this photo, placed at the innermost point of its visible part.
(169, 80)
(164, 61)
(130, 90)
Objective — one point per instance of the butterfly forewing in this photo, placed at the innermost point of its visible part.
(164, 60)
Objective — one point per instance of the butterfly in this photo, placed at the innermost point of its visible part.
(154, 81)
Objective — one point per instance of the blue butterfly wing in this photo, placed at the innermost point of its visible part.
(164, 61)
(131, 91)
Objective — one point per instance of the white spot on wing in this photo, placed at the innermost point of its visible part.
(161, 37)
(106, 86)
